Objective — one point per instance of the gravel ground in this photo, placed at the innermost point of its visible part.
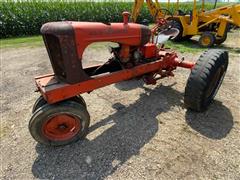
(137, 131)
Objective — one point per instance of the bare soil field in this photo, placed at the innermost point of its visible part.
(136, 132)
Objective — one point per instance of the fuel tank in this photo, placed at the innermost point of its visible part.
(66, 42)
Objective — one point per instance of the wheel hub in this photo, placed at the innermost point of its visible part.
(206, 40)
(61, 127)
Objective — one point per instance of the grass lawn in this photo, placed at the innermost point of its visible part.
(33, 41)
(36, 41)
(190, 46)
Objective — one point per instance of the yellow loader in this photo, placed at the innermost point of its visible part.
(211, 25)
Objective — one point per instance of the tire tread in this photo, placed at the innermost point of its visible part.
(200, 76)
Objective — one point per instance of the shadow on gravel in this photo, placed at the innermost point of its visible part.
(230, 49)
(129, 85)
(130, 129)
(215, 123)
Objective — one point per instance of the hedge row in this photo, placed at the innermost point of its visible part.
(20, 18)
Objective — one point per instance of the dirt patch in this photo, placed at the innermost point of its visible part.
(137, 131)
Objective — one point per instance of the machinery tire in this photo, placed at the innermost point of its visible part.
(207, 39)
(41, 102)
(79, 99)
(219, 41)
(177, 24)
(205, 79)
(59, 124)
(187, 37)
(222, 39)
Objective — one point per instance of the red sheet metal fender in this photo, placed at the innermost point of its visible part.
(89, 32)
(128, 34)
(66, 42)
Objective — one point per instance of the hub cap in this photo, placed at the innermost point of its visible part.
(206, 41)
(61, 127)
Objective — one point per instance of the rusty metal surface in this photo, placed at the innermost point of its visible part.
(66, 41)
(59, 39)
(145, 34)
(54, 90)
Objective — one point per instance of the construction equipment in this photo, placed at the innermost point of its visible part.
(212, 26)
(60, 114)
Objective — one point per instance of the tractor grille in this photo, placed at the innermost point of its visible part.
(55, 55)
(59, 39)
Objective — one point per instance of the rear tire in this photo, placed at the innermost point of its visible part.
(177, 24)
(59, 124)
(187, 37)
(220, 40)
(205, 79)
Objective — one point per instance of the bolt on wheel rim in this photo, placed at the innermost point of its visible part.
(61, 127)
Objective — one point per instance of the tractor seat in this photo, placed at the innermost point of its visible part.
(167, 34)
(181, 13)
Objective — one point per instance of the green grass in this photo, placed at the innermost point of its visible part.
(36, 41)
(33, 41)
(190, 46)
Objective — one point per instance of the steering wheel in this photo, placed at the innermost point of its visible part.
(164, 12)
(164, 23)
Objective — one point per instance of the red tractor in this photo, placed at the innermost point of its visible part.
(60, 114)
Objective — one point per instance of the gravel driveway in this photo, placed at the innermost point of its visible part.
(137, 131)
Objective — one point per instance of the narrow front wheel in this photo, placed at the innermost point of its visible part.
(207, 39)
(59, 124)
(41, 102)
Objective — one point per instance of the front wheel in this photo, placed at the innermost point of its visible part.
(205, 79)
(41, 102)
(59, 124)
(206, 40)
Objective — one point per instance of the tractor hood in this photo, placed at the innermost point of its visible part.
(85, 33)
(66, 42)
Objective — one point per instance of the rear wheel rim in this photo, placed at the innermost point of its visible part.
(61, 127)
